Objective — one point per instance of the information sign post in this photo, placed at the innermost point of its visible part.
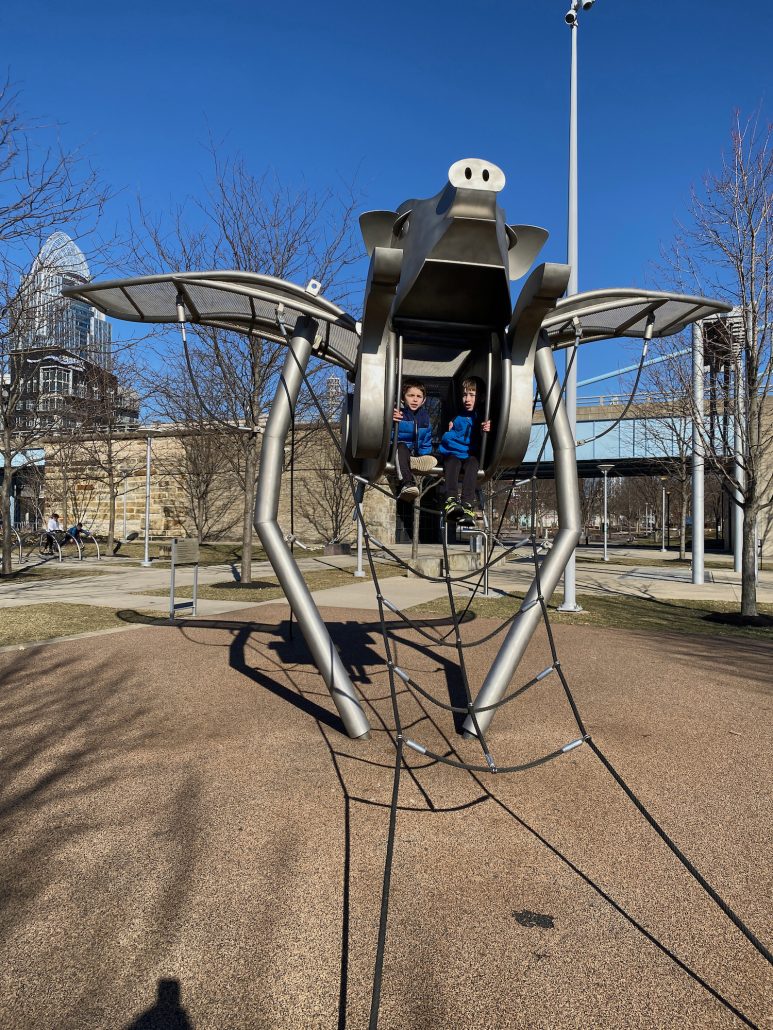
(185, 551)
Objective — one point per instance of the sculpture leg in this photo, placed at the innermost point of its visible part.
(569, 521)
(310, 622)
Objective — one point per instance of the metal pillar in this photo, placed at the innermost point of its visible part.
(146, 562)
(314, 631)
(663, 518)
(605, 470)
(698, 462)
(738, 466)
(569, 603)
(359, 572)
(570, 523)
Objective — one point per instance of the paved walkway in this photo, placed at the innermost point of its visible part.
(121, 586)
(190, 841)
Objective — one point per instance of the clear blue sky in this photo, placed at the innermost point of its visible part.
(400, 91)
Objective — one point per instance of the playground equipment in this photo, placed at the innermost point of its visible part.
(437, 306)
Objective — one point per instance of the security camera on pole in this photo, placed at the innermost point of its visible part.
(569, 603)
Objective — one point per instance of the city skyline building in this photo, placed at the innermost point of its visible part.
(61, 322)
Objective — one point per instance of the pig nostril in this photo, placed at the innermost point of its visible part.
(468, 173)
(485, 175)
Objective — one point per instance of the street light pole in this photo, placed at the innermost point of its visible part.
(569, 603)
(605, 470)
(146, 562)
(663, 481)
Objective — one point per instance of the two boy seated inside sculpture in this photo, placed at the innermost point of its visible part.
(459, 449)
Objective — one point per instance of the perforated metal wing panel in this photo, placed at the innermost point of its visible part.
(608, 314)
(241, 302)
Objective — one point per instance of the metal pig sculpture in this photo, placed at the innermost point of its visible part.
(437, 305)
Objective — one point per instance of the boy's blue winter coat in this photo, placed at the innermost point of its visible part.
(415, 431)
(463, 438)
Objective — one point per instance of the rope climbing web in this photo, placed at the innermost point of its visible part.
(399, 680)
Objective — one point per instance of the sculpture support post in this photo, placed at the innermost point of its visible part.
(697, 455)
(569, 521)
(310, 621)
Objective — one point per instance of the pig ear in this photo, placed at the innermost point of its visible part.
(525, 242)
(376, 228)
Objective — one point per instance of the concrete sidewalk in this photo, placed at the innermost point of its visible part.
(132, 586)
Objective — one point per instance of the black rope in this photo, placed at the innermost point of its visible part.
(491, 766)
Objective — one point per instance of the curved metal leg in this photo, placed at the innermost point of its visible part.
(266, 510)
(569, 521)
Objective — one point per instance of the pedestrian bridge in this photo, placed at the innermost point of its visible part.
(636, 444)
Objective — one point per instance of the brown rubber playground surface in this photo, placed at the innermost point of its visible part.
(188, 840)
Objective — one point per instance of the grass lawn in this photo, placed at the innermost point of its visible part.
(52, 570)
(267, 589)
(710, 618)
(219, 553)
(35, 622)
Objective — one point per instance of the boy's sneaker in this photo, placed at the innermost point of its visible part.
(452, 509)
(424, 463)
(408, 493)
(467, 516)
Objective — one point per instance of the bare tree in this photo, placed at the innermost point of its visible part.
(323, 496)
(202, 470)
(727, 251)
(41, 189)
(248, 223)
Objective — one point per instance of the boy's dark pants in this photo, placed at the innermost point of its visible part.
(404, 464)
(469, 468)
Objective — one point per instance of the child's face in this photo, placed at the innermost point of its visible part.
(468, 399)
(413, 398)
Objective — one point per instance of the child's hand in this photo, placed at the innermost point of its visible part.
(450, 425)
(397, 415)
(486, 426)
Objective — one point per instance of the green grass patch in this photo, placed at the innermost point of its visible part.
(218, 553)
(30, 623)
(51, 570)
(709, 618)
(267, 589)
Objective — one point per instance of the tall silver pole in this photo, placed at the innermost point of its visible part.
(124, 508)
(738, 469)
(663, 520)
(606, 556)
(569, 603)
(359, 572)
(698, 464)
(146, 560)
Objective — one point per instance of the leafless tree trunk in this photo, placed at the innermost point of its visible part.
(247, 223)
(728, 252)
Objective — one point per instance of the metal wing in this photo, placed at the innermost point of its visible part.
(243, 302)
(607, 314)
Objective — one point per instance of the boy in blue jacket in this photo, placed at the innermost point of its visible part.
(460, 449)
(414, 438)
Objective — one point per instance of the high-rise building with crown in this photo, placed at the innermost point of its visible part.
(57, 321)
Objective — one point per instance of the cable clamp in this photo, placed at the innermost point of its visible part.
(572, 745)
(401, 673)
(490, 762)
(544, 673)
(416, 747)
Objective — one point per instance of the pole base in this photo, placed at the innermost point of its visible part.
(571, 608)
(359, 575)
(469, 736)
(146, 564)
